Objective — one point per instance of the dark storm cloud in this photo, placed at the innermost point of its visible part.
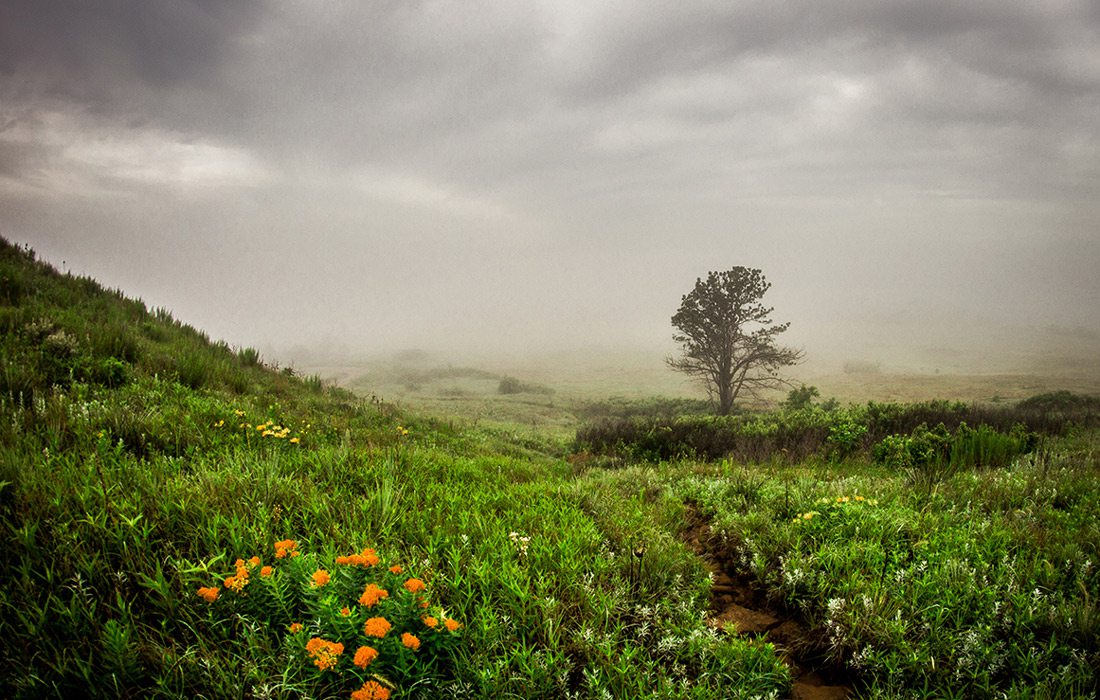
(106, 55)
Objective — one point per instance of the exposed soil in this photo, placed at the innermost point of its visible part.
(737, 607)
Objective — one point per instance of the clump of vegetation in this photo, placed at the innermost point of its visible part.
(511, 385)
(654, 407)
(794, 434)
(927, 455)
(1078, 407)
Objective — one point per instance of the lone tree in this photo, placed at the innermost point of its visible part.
(728, 338)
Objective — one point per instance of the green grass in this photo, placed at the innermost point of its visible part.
(139, 462)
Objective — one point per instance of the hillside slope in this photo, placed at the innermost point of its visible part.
(150, 481)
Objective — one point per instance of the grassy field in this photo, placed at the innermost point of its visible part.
(180, 520)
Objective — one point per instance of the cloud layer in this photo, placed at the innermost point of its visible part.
(514, 174)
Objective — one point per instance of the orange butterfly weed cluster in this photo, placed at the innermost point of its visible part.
(376, 627)
(286, 548)
(372, 594)
(367, 557)
(371, 690)
(239, 580)
(324, 653)
(394, 629)
(364, 655)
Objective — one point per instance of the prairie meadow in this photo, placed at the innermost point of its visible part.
(181, 518)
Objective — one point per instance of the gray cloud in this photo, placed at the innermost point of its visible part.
(401, 170)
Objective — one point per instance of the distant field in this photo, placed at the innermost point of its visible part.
(468, 390)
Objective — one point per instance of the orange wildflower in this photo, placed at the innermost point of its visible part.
(320, 577)
(371, 690)
(414, 585)
(451, 625)
(364, 655)
(254, 561)
(365, 558)
(208, 594)
(376, 627)
(410, 641)
(325, 654)
(372, 594)
(430, 621)
(345, 611)
(284, 548)
(266, 571)
(295, 627)
(237, 582)
(396, 569)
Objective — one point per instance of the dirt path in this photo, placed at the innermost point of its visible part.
(738, 607)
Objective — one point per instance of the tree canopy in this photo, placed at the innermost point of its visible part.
(727, 337)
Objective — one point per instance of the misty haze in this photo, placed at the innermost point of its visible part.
(686, 284)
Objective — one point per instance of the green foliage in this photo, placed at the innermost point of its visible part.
(802, 397)
(927, 456)
(1081, 408)
(792, 435)
(249, 357)
(845, 435)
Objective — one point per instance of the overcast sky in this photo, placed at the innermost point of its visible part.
(510, 175)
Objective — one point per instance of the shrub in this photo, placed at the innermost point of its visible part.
(802, 397)
(511, 385)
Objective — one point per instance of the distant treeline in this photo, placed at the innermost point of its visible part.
(798, 434)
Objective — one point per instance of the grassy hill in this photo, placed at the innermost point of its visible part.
(181, 520)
